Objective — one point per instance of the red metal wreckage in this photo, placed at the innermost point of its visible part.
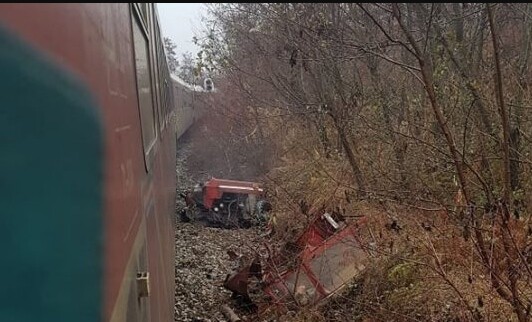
(227, 203)
(326, 256)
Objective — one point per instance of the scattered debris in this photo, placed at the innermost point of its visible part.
(326, 256)
(230, 314)
(201, 265)
(269, 280)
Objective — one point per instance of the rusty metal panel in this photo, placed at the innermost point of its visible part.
(341, 260)
(329, 255)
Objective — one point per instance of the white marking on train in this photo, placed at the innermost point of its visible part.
(131, 225)
(122, 128)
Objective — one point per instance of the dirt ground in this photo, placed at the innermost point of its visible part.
(202, 261)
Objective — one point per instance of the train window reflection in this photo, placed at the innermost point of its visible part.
(144, 86)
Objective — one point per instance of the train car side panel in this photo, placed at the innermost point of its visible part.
(95, 41)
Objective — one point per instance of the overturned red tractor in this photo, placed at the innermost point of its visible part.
(227, 203)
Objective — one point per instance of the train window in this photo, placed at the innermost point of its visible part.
(164, 103)
(167, 102)
(143, 12)
(159, 74)
(144, 87)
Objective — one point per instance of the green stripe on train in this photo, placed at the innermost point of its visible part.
(51, 230)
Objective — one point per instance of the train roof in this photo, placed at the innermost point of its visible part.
(195, 88)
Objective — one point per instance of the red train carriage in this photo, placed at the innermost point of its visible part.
(88, 164)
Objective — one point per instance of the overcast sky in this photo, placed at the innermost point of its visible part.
(180, 22)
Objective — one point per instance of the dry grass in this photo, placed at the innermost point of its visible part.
(423, 269)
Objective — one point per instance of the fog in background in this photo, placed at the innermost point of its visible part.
(180, 22)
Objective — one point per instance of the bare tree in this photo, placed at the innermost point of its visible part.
(395, 102)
